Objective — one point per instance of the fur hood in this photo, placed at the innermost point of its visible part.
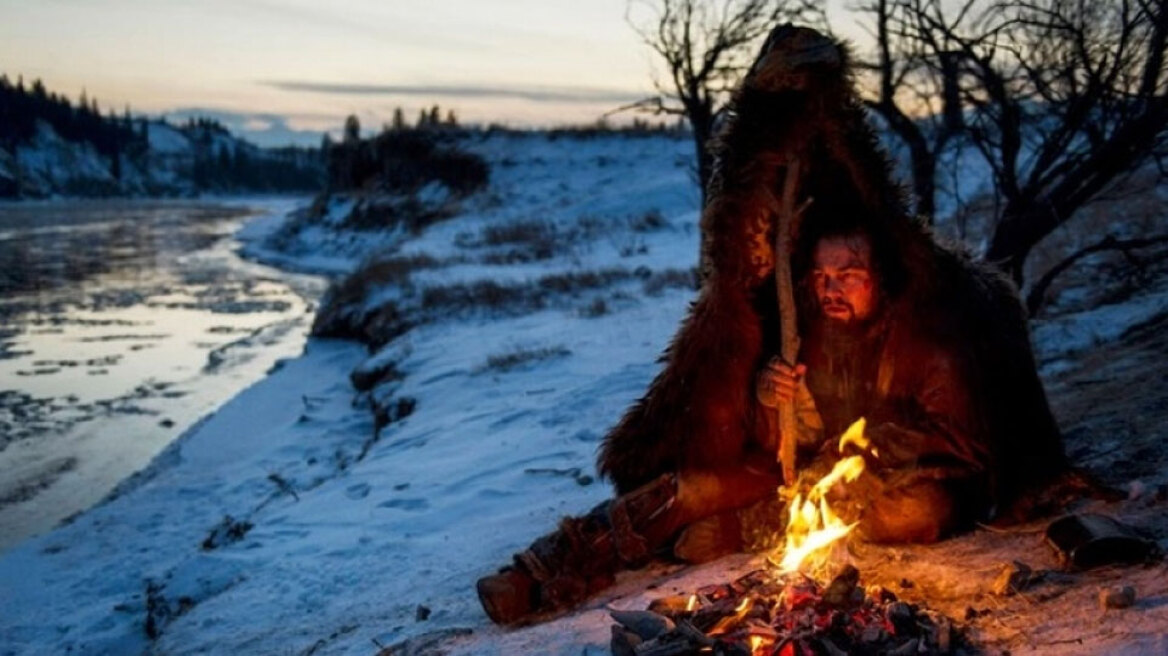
(700, 412)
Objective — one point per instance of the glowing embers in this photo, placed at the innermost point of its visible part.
(766, 613)
(812, 525)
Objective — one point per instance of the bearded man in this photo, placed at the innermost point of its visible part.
(930, 347)
(865, 354)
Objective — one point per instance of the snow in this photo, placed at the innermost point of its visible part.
(1063, 337)
(50, 166)
(354, 528)
(166, 139)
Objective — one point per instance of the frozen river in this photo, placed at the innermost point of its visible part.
(121, 324)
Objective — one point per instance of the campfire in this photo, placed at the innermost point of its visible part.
(791, 608)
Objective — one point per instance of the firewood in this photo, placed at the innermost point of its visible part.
(624, 642)
(644, 623)
(691, 632)
(673, 648)
(839, 592)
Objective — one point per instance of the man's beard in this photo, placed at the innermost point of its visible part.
(842, 335)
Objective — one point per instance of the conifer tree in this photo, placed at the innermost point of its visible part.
(352, 129)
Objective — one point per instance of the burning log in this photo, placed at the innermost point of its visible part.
(766, 613)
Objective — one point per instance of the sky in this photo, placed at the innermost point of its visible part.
(279, 71)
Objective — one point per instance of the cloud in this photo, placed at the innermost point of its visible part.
(534, 93)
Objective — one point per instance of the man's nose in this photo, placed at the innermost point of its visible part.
(832, 286)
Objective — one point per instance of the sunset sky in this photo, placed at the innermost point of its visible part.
(286, 70)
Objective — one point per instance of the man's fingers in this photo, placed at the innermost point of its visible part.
(779, 381)
(782, 368)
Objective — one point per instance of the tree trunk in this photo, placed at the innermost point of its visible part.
(924, 170)
(701, 121)
(1023, 224)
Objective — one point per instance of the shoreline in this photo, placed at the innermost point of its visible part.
(79, 478)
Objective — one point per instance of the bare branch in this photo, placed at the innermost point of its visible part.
(1037, 296)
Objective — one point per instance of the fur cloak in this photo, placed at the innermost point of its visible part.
(700, 412)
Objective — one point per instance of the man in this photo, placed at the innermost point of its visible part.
(931, 348)
(865, 354)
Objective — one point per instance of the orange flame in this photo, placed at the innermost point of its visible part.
(759, 644)
(812, 526)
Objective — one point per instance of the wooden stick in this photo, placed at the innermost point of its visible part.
(787, 224)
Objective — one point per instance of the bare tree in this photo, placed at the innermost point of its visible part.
(1061, 98)
(707, 46)
(919, 102)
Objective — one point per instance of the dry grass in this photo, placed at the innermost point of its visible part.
(338, 315)
(650, 221)
(515, 298)
(659, 281)
(597, 308)
(1133, 210)
(520, 356)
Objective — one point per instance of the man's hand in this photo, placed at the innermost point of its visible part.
(777, 381)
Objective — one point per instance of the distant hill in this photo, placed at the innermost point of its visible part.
(50, 146)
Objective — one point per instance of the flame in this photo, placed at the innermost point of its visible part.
(730, 621)
(855, 435)
(812, 526)
(758, 644)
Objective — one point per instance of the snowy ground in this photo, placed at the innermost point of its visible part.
(287, 523)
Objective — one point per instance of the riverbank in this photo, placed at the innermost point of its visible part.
(124, 322)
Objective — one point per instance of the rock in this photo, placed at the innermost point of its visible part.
(1014, 577)
(831, 648)
(944, 636)
(901, 616)
(873, 634)
(1120, 596)
(880, 594)
(972, 613)
(422, 613)
(624, 643)
(907, 649)
(644, 623)
(839, 592)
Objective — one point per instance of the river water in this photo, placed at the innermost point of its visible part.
(121, 324)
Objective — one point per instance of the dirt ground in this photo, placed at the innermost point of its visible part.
(1113, 409)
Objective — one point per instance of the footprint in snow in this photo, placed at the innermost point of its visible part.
(405, 504)
(358, 491)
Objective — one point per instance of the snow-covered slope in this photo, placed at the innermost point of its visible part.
(50, 165)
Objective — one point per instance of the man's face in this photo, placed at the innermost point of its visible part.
(842, 278)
